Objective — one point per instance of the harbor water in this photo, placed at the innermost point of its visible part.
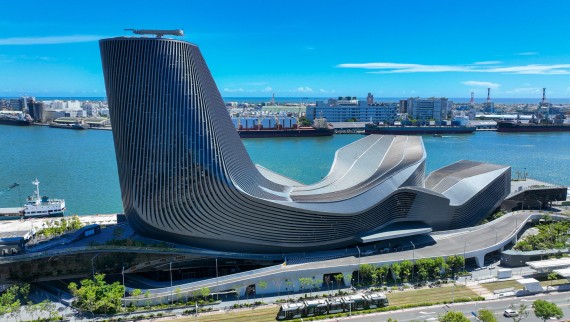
(80, 167)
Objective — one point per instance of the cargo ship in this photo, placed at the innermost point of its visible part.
(15, 118)
(279, 130)
(417, 130)
(285, 133)
(509, 126)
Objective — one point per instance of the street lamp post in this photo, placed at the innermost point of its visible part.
(358, 264)
(413, 259)
(464, 248)
(93, 264)
(124, 288)
(217, 281)
(171, 299)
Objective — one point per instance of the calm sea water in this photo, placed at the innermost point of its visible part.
(80, 165)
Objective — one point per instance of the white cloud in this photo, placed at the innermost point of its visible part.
(489, 62)
(528, 53)
(267, 89)
(233, 90)
(49, 40)
(324, 91)
(481, 84)
(568, 89)
(393, 68)
(305, 89)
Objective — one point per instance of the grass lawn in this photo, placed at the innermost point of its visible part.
(256, 315)
(438, 294)
(554, 282)
(432, 295)
(501, 285)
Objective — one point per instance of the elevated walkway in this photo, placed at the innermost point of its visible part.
(397, 230)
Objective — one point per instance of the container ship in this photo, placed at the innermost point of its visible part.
(417, 130)
(15, 118)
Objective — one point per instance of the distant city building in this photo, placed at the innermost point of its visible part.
(403, 106)
(104, 111)
(351, 109)
(50, 114)
(370, 99)
(17, 104)
(428, 109)
(91, 108)
(36, 110)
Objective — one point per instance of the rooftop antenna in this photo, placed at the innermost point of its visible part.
(158, 33)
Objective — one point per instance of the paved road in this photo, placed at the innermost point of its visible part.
(497, 306)
(469, 241)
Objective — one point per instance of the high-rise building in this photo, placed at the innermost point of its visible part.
(186, 177)
(352, 109)
(428, 109)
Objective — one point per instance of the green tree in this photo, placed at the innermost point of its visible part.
(552, 276)
(545, 310)
(406, 269)
(49, 308)
(262, 285)
(522, 313)
(10, 303)
(305, 282)
(338, 278)
(365, 272)
(453, 316)
(383, 272)
(485, 315)
(96, 296)
(396, 271)
(32, 309)
(136, 292)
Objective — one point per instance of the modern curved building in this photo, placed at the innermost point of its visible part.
(186, 177)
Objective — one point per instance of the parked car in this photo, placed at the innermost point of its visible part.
(510, 313)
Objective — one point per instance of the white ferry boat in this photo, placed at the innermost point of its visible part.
(37, 206)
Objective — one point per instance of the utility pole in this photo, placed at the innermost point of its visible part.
(217, 282)
(124, 288)
(358, 264)
(171, 299)
(413, 259)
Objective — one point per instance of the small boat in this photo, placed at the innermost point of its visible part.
(437, 135)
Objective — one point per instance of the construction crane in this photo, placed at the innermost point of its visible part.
(158, 33)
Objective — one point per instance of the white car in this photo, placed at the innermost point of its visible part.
(510, 313)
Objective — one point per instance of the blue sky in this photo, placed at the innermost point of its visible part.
(304, 48)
